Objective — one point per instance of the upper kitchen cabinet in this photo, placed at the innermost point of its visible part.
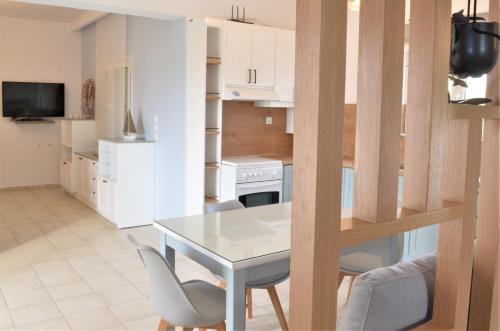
(250, 55)
(285, 65)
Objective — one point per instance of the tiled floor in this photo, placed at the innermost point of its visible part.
(63, 267)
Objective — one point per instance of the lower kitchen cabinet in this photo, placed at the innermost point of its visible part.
(84, 173)
(287, 183)
(417, 242)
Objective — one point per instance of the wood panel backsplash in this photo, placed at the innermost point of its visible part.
(244, 130)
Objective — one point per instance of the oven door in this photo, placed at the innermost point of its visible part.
(260, 193)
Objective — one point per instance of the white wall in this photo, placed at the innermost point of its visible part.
(40, 52)
(111, 49)
(158, 50)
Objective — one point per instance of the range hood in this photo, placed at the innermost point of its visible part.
(249, 94)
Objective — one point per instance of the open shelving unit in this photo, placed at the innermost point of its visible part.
(213, 113)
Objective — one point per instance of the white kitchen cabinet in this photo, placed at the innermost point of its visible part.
(126, 182)
(84, 172)
(285, 65)
(290, 120)
(250, 56)
(66, 175)
(238, 59)
(264, 58)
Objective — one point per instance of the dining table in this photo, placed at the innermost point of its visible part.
(242, 246)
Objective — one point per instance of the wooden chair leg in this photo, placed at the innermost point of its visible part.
(249, 303)
(163, 325)
(222, 284)
(202, 329)
(187, 329)
(353, 278)
(220, 327)
(277, 307)
(341, 278)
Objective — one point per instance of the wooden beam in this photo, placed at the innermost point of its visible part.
(427, 103)
(471, 112)
(319, 112)
(381, 54)
(456, 239)
(355, 231)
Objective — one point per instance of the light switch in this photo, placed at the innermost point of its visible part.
(269, 120)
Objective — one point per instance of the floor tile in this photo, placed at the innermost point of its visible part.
(5, 320)
(69, 290)
(80, 303)
(107, 281)
(144, 324)
(92, 319)
(58, 324)
(23, 299)
(121, 294)
(35, 313)
(133, 310)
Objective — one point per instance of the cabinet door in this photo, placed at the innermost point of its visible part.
(264, 58)
(285, 65)
(238, 57)
(287, 183)
(66, 175)
(79, 175)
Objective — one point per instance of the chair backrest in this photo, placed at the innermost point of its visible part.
(399, 297)
(388, 251)
(224, 206)
(166, 292)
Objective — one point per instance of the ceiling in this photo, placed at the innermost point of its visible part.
(39, 12)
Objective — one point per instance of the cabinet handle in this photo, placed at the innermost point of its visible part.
(80, 158)
(255, 81)
(249, 76)
(64, 163)
(104, 181)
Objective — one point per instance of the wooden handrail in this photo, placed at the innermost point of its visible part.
(473, 112)
(356, 231)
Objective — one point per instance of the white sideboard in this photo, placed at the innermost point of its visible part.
(126, 182)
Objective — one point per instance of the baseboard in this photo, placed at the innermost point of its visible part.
(25, 188)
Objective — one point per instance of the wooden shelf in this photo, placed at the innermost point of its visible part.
(212, 132)
(213, 96)
(211, 166)
(211, 200)
(213, 60)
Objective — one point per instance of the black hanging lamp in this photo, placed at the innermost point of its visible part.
(474, 44)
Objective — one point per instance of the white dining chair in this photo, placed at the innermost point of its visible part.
(265, 284)
(193, 304)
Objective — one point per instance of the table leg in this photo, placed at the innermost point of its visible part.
(167, 251)
(235, 301)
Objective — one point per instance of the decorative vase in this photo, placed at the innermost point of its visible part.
(129, 131)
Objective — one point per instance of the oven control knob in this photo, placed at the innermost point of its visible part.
(255, 174)
(244, 175)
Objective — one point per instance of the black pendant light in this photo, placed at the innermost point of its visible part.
(474, 45)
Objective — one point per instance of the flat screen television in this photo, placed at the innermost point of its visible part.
(32, 100)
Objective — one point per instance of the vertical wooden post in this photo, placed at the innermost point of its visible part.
(486, 252)
(381, 59)
(456, 239)
(319, 112)
(427, 103)
(484, 310)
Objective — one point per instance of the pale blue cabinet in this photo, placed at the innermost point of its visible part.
(287, 183)
(417, 242)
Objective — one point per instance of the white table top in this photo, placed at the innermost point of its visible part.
(237, 235)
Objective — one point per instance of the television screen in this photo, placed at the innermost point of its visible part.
(25, 100)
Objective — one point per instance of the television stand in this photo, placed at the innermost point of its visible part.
(31, 120)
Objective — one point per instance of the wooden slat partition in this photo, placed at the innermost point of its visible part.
(456, 239)
(381, 53)
(485, 309)
(319, 112)
(427, 103)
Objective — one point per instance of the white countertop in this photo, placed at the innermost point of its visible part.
(120, 140)
(250, 161)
